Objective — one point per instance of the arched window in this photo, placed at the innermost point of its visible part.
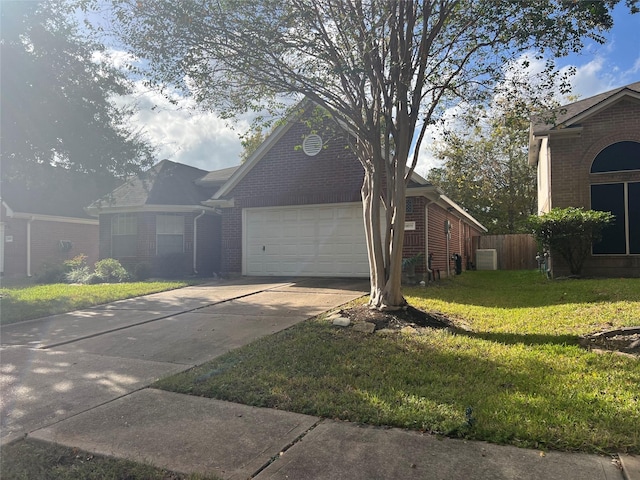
(621, 198)
(621, 156)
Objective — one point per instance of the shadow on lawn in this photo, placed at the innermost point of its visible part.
(524, 289)
(524, 339)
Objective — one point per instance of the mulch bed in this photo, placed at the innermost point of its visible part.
(623, 340)
(397, 319)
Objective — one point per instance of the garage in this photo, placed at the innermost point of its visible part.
(310, 240)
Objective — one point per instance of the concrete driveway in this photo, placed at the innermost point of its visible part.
(59, 366)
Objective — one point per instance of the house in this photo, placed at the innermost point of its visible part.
(292, 209)
(157, 222)
(42, 220)
(589, 156)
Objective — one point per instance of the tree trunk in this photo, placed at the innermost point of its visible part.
(386, 291)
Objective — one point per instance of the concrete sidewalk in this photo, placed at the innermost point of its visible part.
(80, 379)
(194, 434)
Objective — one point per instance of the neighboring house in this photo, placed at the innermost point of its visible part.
(589, 156)
(156, 220)
(43, 221)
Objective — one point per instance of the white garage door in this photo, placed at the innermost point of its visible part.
(312, 240)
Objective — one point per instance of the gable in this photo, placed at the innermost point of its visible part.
(284, 172)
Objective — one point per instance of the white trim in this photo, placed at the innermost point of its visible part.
(148, 208)
(54, 218)
(223, 203)
(1, 247)
(607, 102)
(626, 218)
(8, 209)
(462, 212)
(29, 247)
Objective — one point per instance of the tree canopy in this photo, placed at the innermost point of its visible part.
(59, 100)
(484, 154)
(383, 69)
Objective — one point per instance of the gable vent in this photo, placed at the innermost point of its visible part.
(312, 144)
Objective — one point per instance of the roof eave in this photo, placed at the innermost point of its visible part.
(95, 211)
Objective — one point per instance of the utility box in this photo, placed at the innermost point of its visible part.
(487, 259)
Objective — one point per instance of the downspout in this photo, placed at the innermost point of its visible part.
(195, 242)
(29, 246)
(426, 238)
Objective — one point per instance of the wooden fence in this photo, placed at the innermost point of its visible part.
(515, 252)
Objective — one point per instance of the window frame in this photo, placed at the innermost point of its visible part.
(627, 207)
(124, 225)
(168, 233)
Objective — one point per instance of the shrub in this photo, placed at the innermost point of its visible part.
(50, 273)
(570, 232)
(142, 271)
(110, 270)
(78, 275)
(76, 262)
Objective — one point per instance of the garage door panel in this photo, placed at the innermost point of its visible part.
(310, 240)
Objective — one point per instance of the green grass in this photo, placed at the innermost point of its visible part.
(34, 301)
(518, 378)
(32, 459)
(526, 303)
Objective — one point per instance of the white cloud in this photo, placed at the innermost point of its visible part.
(183, 134)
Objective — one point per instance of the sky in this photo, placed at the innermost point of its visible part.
(205, 141)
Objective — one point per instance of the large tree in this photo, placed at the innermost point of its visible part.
(384, 69)
(59, 101)
(484, 153)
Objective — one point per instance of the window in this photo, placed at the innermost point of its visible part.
(169, 234)
(409, 205)
(124, 235)
(622, 200)
(621, 156)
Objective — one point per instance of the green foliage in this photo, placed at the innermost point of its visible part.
(76, 262)
(570, 232)
(50, 273)
(81, 274)
(484, 153)
(58, 97)
(250, 143)
(110, 270)
(142, 271)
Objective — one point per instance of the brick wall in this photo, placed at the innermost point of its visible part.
(146, 245)
(571, 160)
(45, 244)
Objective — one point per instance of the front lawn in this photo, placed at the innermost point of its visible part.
(34, 301)
(519, 377)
